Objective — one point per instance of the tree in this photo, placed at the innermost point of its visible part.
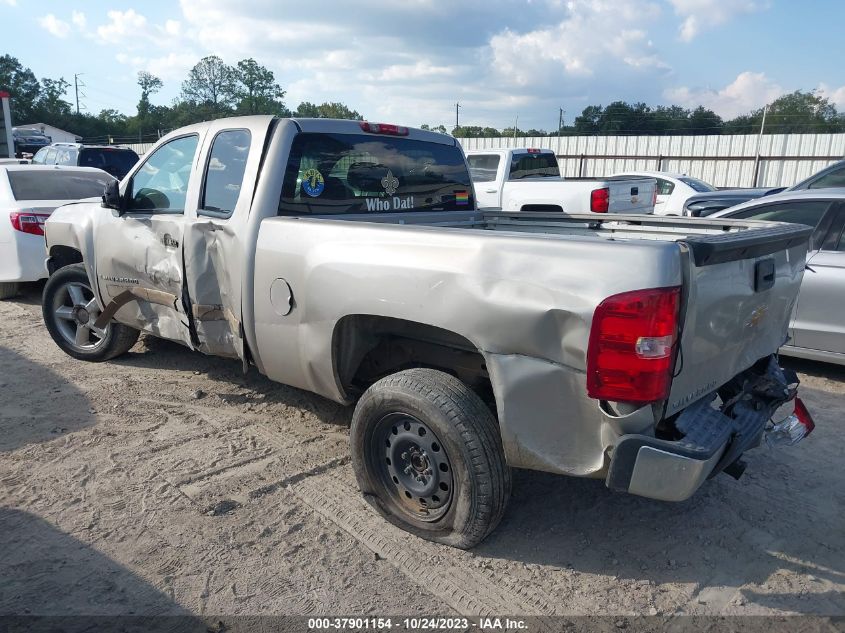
(50, 104)
(150, 84)
(258, 92)
(23, 87)
(333, 110)
(211, 82)
(797, 112)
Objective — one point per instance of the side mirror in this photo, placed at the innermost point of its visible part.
(113, 200)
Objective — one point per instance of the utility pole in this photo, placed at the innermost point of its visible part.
(76, 85)
(457, 114)
(759, 141)
(515, 125)
(560, 122)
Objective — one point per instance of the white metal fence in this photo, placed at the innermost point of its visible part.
(724, 161)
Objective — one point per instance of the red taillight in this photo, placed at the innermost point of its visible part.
(384, 128)
(25, 222)
(533, 150)
(804, 417)
(632, 343)
(600, 200)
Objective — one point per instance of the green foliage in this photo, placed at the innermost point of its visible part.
(214, 89)
(21, 83)
(326, 110)
(257, 91)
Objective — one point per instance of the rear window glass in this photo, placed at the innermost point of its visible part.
(834, 178)
(37, 184)
(698, 185)
(483, 167)
(529, 165)
(809, 213)
(363, 173)
(117, 162)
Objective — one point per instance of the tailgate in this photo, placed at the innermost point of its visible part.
(739, 290)
(631, 195)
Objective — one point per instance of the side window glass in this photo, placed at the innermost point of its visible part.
(809, 213)
(833, 179)
(161, 183)
(483, 167)
(50, 159)
(665, 187)
(40, 157)
(225, 172)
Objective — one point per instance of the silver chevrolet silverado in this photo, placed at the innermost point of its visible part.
(349, 259)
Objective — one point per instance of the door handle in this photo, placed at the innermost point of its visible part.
(491, 191)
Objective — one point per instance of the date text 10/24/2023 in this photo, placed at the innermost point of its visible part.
(416, 624)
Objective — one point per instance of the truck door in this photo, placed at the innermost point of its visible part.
(139, 254)
(818, 317)
(215, 247)
(484, 170)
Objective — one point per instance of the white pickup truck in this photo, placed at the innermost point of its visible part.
(529, 180)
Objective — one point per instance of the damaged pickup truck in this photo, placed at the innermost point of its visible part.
(349, 259)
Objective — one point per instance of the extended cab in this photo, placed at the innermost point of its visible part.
(348, 259)
(530, 180)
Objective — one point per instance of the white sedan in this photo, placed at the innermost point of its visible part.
(672, 189)
(28, 195)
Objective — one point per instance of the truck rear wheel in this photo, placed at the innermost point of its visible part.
(428, 456)
(70, 309)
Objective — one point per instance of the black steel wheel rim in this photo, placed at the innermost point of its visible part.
(412, 465)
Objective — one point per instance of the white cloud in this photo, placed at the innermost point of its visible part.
(593, 34)
(703, 14)
(749, 91)
(78, 18)
(171, 67)
(54, 25)
(11, 3)
(123, 27)
(835, 95)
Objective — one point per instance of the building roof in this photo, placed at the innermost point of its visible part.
(35, 126)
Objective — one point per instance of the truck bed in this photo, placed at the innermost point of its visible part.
(711, 240)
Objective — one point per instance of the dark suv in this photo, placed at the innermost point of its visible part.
(28, 141)
(114, 159)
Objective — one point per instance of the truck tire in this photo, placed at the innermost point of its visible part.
(8, 289)
(69, 310)
(428, 456)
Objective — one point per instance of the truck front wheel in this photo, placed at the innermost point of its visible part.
(70, 309)
(428, 456)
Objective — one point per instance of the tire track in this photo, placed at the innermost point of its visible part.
(441, 571)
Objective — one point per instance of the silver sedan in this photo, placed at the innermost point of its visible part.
(817, 329)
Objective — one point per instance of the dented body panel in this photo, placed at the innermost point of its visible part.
(509, 298)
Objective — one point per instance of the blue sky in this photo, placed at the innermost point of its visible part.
(409, 62)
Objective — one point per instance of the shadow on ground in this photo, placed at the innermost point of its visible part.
(36, 404)
(155, 353)
(45, 572)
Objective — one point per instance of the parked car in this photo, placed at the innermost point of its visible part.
(817, 328)
(28, 141)
(348, 259)
(672, 189)
(116, 160)
(530, 180)
(704, 204)
(831, 176)
(28, 196)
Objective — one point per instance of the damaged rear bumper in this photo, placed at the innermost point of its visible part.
(713, 439)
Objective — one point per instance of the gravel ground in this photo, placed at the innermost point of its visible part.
(166, 482)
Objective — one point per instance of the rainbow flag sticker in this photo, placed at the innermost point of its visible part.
(462, 197)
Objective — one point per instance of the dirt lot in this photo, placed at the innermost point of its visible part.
(168, 482)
